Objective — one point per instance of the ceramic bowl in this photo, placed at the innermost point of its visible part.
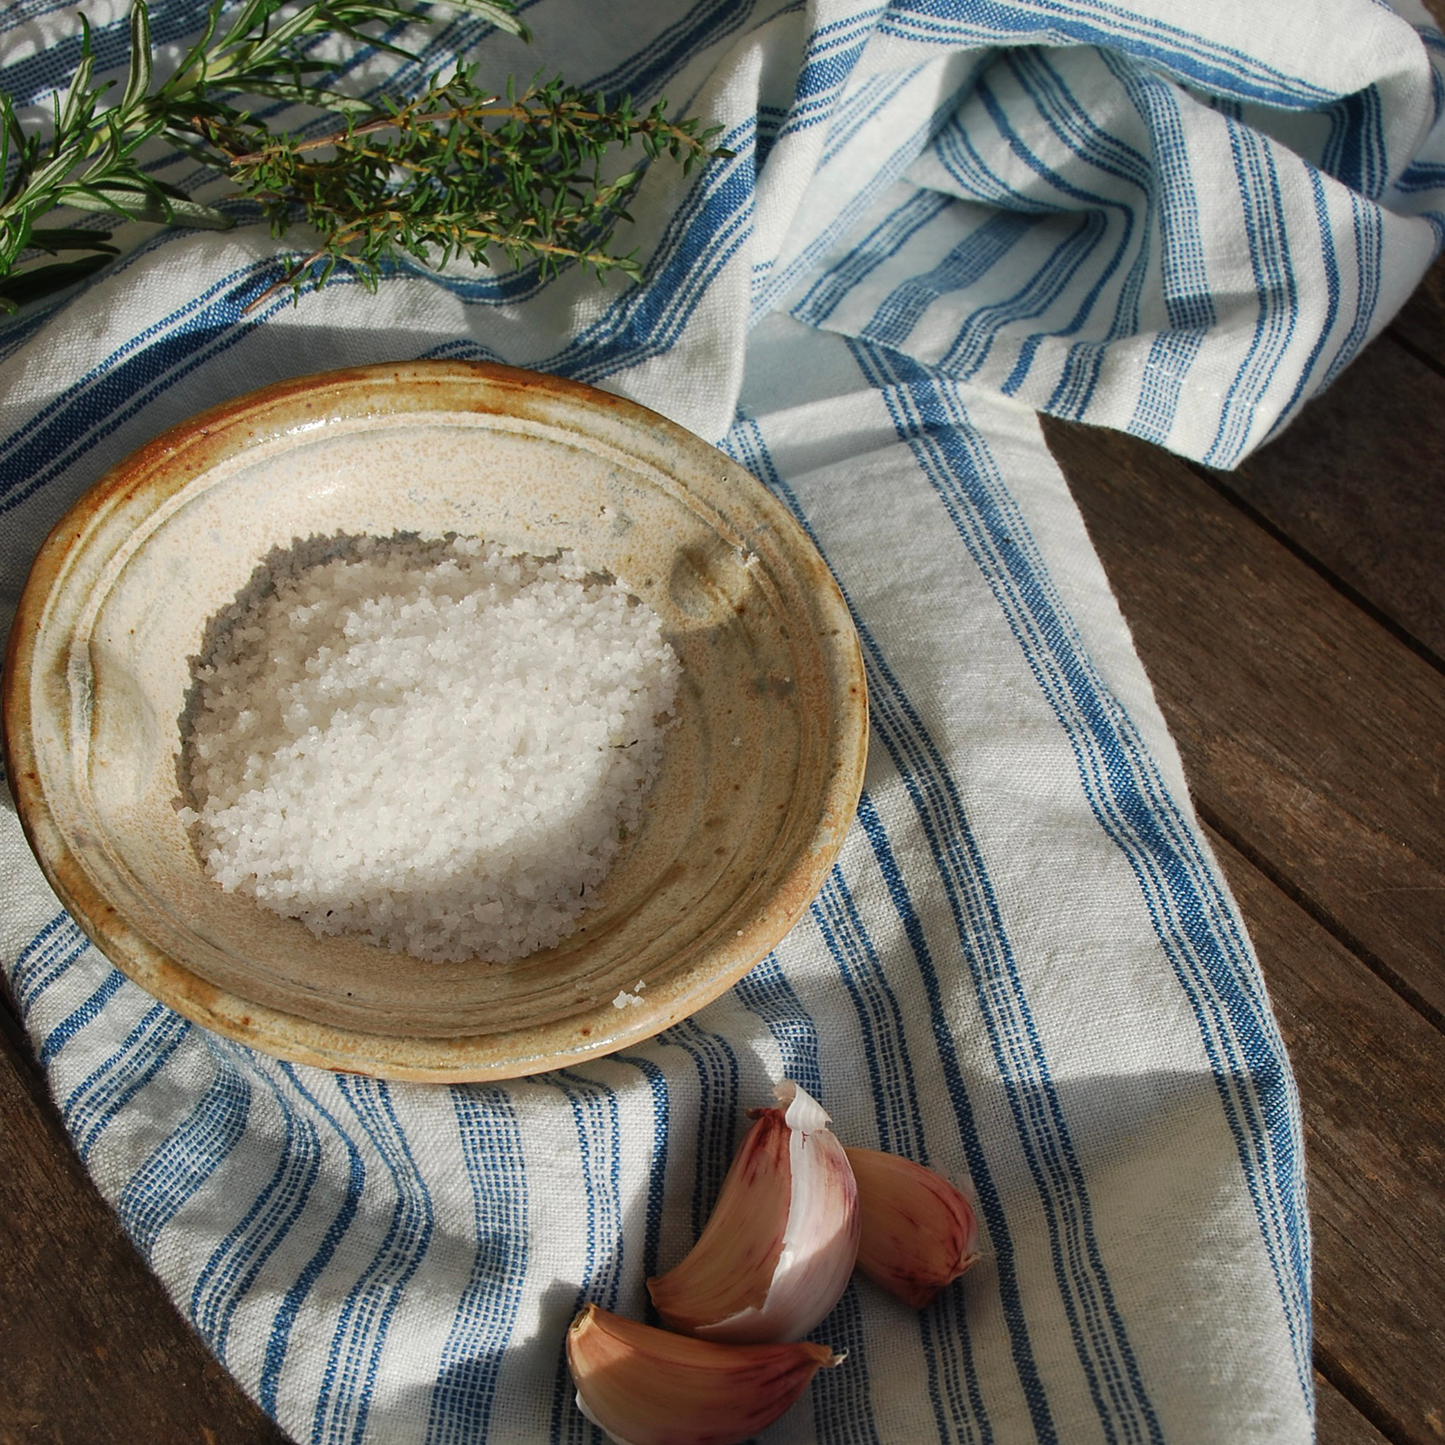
(759, 782)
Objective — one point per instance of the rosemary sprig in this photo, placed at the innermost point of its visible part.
(451, 172)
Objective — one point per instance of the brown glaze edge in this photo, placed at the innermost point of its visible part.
(300, 1040)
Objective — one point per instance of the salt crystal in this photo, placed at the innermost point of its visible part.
(408, 739)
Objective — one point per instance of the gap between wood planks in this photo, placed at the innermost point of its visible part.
(1221, 483)
(1321, 916)
(1367, 1069)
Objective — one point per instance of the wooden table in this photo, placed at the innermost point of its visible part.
(1292, 618)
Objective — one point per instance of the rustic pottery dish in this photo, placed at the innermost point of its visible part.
(760, 777)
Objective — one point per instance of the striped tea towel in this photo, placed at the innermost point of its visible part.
(942, 216)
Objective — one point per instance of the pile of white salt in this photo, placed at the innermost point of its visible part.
(439, 745)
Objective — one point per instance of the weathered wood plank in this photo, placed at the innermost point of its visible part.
(1421, 321)
(1351, 483)
(93, 1350)
(1307, 730)
(1369, 1069)
(1337, 1422)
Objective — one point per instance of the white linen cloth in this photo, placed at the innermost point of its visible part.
(1175, 218)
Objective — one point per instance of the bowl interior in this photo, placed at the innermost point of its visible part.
(759, 780)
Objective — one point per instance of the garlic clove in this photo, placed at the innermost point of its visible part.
(780, 1245)
(919, 1231)
(646, 1386)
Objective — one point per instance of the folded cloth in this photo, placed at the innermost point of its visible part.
(1025, 968)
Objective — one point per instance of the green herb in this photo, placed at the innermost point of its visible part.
(453, 171)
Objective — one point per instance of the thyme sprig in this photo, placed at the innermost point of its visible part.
(458, 171)
(450, 172)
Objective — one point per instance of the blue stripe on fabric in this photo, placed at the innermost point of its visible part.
(45, 960)
(869, 99)
(896, 1111)
(656, 1167)
(1434, 40)
(957, 1402)
(1099, 1335)
(982, 249)
(95, 1103)
(715, 1066)
(598, 1126)
(1111, 156)
(765, 991)
(465, 1392)
(715, 1063)
(79, 1017)
(1171, 356)
(1355, 152)
(957, 150)
(770, 120)
(1332, 150)
(121, 385)
(1184, 279)
(832, 54)
(1421, 175)
(886, 170)
(953, 1385)
(1369, 237)
(1097, 206)
(704, 25)
(1070, 122)
(1275, 287)
(979, 330)
(31, 80)
(954, 1388)
(1207, 64)
(179, 1167)
(1070, 119)
(1329, 265)
(886, 239)
(697, 245)
(236, 1262)
(1193, 918)
(278, 1339)
(343, 1402)
(843, 1399)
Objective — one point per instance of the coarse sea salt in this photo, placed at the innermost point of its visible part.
(439, 745)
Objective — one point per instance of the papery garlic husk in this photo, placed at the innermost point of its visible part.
(645, 1386)
(919, 1231)
(781, 1242)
